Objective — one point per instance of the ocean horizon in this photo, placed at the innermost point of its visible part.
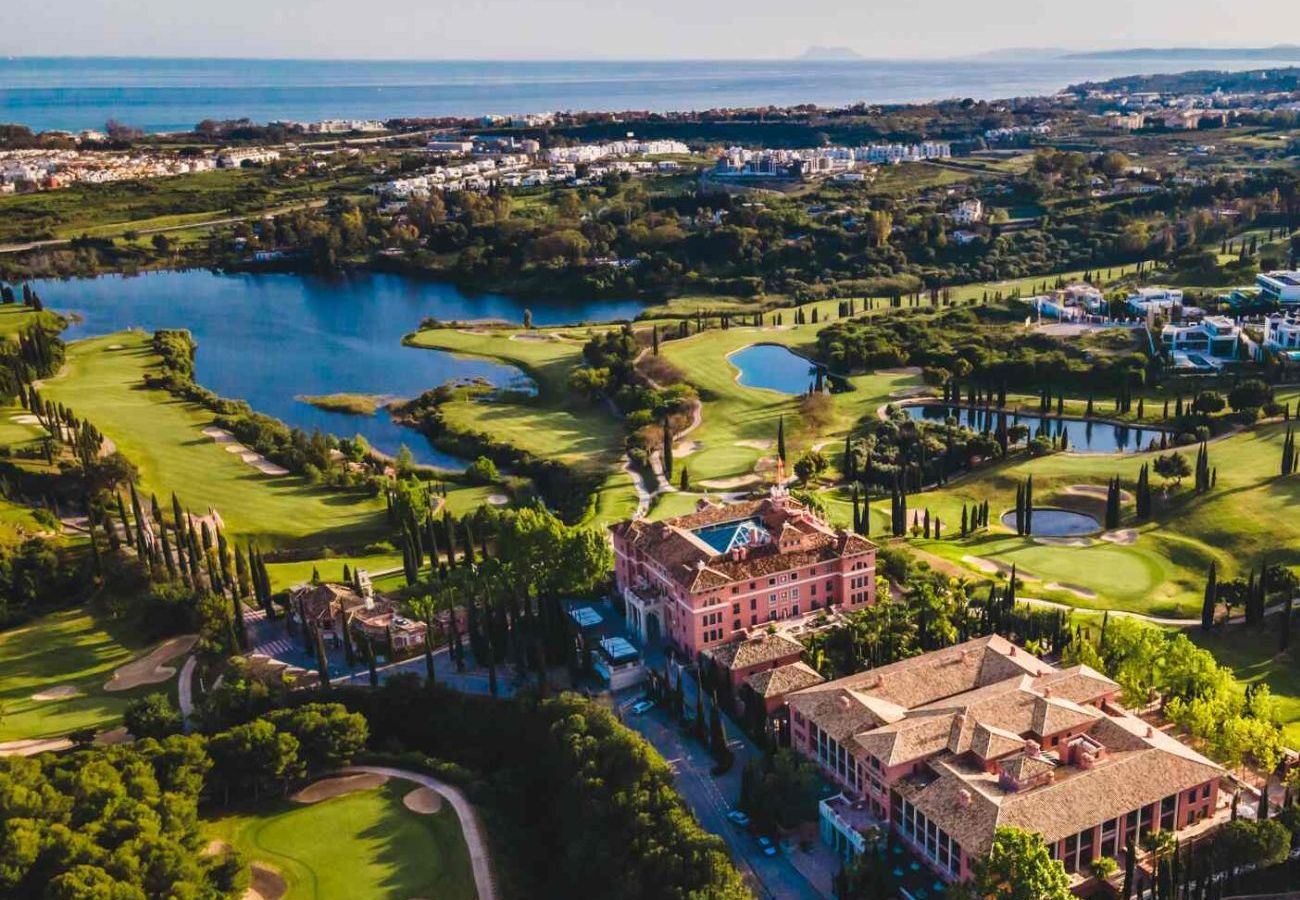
(174, 94)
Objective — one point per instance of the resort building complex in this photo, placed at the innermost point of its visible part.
(704, 579)
(1280, 287)
(945, 747)
(336, 609)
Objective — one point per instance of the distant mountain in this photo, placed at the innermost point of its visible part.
(833, 54)
(1280, 51)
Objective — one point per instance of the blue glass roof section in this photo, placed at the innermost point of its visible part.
(725, 537)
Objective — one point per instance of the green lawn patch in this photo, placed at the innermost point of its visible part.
(163, 437)
(69, 649)
(361, 846)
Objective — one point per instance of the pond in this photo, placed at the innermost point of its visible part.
(773, 367)
(1048, 521)
(272, 338)
(1084, 435)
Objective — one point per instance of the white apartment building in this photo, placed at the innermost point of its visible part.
(234, 157)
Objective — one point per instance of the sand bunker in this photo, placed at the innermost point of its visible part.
(992, 567)
(1072, 589)
(685, 448)
(727, 484)
(1095, 490)
(329, 788)
(1122, 536)
(252, 458)
(1064, 541)
(266, 883)
(150, 668)
(904, 393)
(906, 370)
(62, 692)
(531, 337)
(215, 847)
(220, 435)
(757, 445)
(423, 800)
(498, 499)
(25, 419)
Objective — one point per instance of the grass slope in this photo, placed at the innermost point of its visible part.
(734, 413)
(360, 846)
(162, 436)
(64, 648)
(1246, 519)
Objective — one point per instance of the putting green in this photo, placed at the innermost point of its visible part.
(360, 846)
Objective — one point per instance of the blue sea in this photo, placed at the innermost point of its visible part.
(175, 94)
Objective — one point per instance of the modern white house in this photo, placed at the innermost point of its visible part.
(1280, 287)
(968, 212)
(1282, 335)
(1074, 301)
(1158, 300)
(1214, 336)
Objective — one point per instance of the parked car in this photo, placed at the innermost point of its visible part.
(738, 818)
(642, 706)
(765, 844)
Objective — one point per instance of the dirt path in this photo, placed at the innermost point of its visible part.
(475, 836)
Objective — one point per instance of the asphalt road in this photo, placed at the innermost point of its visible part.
(710, 798)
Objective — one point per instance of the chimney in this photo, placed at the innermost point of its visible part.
(1012, 651)
(1151, 732)
(964, 798)
(1047, 691)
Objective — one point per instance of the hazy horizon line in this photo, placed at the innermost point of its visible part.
(1063, 51)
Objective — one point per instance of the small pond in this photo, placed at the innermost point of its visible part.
(1083, 434)
(775, 368)
(270, 339)
(1048, 521)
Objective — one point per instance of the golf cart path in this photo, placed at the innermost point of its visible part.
(475, 837)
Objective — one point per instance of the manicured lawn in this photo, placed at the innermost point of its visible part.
(361, 846)
(555, 424)
(14, 317)
(737, 419)
(285, 575)
(162, 436)
(1246, 519)
(66, 648)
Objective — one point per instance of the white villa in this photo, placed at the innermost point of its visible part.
(1281, 287)
(1282, 335)
(1157, 300)
(1211, 336)
(968, 212)
(1074, 301)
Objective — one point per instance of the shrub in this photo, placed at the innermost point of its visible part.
(482, 471)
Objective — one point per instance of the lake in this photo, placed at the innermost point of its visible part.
(1048, 521)
(169, 94)
(269, 339)
(773, 367)
(1084, 435)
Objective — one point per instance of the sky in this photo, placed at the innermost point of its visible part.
(626, 29)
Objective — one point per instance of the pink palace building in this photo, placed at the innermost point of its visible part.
(707, 578)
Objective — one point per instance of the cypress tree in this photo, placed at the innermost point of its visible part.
(780, 438)
(1029, 505)
(667, 451)
(1211, 593)
(963, 520)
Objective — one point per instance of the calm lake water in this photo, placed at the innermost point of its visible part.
(1050, 522)
(1096, 437)
(269, 339)
(773, 367)
(175, 94)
